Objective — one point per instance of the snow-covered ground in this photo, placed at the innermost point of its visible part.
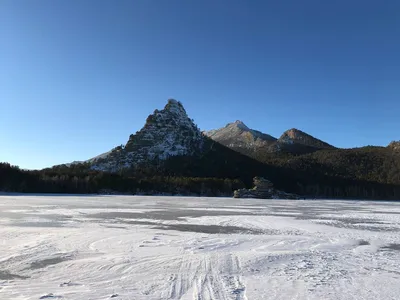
(108, 247)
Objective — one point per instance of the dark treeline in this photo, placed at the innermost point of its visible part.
(80, 180)
(362, 173)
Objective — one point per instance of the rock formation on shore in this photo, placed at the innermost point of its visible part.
(263, 189)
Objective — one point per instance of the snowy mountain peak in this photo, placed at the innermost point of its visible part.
(168, 132)
(175, 107)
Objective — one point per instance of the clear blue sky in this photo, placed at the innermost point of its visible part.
(77, 77)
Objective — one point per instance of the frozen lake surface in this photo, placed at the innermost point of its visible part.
(121, 247)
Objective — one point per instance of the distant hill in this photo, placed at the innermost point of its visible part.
(237, 135)
(295, 136)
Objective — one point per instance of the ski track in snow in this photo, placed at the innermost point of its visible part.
(122, 247)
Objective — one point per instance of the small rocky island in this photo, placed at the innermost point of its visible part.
(263, 189)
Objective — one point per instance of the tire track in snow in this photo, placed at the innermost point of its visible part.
(206, 277)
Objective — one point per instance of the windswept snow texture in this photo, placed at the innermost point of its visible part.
(107, 247)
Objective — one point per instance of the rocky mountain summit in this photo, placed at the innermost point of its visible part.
(295, 136)
(168, 132)
(299, 142)
(238, 135)
(395, 145)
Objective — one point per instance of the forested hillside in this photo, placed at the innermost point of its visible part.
(363, 173)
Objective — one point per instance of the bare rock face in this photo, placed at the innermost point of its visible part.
(395, 145)
(237, 135)
(295, 136)
(262, 184)
(168, 132)
(263, 189)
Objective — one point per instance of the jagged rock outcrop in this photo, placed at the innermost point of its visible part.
(263, 189)
(238, 135)
(168, 132)
(394, 145)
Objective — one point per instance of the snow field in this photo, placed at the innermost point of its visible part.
(121, 247)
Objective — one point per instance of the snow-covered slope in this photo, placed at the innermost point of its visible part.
(167, 132)
(238, 135)
(152, 248)
(91, 160)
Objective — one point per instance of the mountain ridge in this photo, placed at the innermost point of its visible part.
(170, 132)
(170, 145)
(238, 136)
